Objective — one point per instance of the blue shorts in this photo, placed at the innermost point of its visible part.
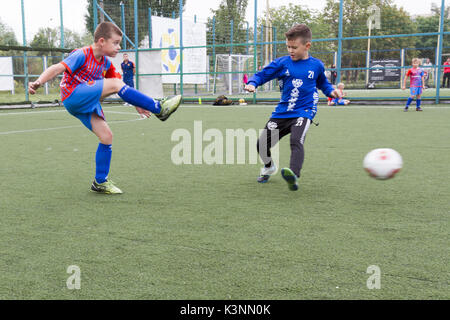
(129, 82)
(338, 102)
(84, 101)
(415, 91)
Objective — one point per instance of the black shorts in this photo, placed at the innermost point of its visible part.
(297, 127)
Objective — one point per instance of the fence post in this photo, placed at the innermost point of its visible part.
(181, 45)
(214, 53)
(122, 15)
(402, 64)
(339, 57)
(136, 41)
(95, 14)
(255, 40)
(231, 35)
(174, 85)
(25, 58)
(439, 54)
(195, 85)
(62, 23)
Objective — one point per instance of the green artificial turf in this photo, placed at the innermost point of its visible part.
(199, 231)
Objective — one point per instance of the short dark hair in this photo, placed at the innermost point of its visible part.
(105, 30)
(301, 31)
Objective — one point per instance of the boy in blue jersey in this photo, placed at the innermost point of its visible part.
(128, 72)
(299, 75)
(89, 76)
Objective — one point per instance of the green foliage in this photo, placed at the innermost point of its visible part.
(112, 8)
(431, 24)
(7, 36)
(229, 10)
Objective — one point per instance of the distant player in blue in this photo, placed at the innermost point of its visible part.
(299, 75)
(128, 71)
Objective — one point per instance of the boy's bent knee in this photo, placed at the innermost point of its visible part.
(114, 84)
(106, 137)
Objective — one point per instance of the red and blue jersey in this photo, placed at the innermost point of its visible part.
(82, 67)
(415, 77)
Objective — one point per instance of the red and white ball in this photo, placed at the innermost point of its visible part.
(383, 163)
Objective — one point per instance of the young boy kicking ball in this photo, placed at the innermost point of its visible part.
(89, 76)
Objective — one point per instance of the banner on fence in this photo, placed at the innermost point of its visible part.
(376, 75)
(6, 67)
(166, 34)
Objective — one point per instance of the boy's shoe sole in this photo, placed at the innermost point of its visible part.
(290, 178)
(106, 187)
(168, 107)
(419, 109)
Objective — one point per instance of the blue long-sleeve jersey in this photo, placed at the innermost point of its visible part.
(298, 81)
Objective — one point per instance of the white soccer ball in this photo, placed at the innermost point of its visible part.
(383, 163)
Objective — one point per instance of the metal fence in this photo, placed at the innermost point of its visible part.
(347, 53)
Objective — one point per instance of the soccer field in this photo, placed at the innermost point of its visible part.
(204, 231)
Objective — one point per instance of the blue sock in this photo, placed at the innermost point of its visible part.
(418, 102)
(139, 99)
(102, 162)
(409, 102)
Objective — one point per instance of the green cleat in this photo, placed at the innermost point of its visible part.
(290, 178)
(106, 187)
(168, 106)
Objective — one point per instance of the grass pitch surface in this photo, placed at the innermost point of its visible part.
(211, 231)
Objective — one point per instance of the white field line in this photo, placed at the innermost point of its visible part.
(186, 107)
(69, 127)
(51, 111)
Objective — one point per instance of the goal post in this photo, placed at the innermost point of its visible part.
(233, 66)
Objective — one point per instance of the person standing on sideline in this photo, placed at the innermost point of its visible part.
(128, 70)
(446, 74)
(428, 68)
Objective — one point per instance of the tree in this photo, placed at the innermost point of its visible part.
(45, 38)
(355, 16)
(7, 36)
(229, 10)
(431, 24)
(284, 17)
(164, 8)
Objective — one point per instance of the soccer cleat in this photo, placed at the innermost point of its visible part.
(419, 109)
(405, 109)
(290, 178)
(106, 187)
(168, 106)
(266, 173)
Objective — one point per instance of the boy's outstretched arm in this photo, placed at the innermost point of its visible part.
(47, 75)
(270, 72)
